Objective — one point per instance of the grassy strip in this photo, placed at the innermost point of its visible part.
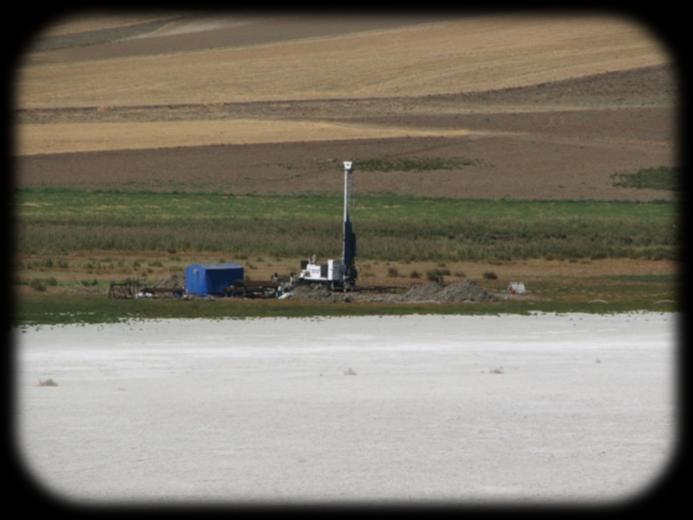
(662, 178)
(389, 227)
(415, 164)
(93, 308)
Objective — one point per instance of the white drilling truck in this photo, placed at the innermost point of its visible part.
(336, 273)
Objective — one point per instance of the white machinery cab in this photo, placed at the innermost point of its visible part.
(331, 271)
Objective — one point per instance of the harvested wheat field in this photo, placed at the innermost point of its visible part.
(541, 106)
(458, 55)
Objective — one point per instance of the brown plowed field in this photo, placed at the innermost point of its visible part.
(543, 107)
(512, 166)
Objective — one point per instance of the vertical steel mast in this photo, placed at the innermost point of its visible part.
(349, 250)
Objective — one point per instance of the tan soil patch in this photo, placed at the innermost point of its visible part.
(87, 137)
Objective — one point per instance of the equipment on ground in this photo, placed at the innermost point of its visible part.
(205, 280)
(254, 289)
(336, 273)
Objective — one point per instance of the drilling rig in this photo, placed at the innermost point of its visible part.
(337, 274)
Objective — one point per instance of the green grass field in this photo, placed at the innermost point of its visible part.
(391, 227)
(662, 178)
(56, 228)
(414, 164)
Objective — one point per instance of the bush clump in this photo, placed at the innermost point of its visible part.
(37, 285)
(436, 275)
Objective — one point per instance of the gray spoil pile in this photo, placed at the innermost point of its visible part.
(426, 292)
(460, 292)
(466, 291)
(316, 292)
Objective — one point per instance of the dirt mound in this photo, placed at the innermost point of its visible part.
(466, 291)
(423, 292)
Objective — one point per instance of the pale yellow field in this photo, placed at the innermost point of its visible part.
(83, 137)
(474, 54)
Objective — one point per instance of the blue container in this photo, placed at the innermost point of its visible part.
(203, 280)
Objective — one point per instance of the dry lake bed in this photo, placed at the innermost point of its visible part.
(516, 409)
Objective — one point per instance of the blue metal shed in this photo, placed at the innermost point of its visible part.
(202, 280)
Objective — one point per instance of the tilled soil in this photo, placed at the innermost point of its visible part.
(521, 166)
